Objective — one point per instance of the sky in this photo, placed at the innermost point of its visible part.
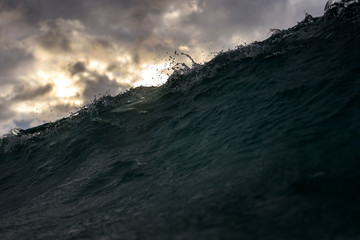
(56, 56)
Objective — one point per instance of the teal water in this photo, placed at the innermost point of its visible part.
(262, 142)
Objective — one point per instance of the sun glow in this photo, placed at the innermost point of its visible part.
(98, 66)
(35, 108)
(153, 75)
(71, 102)
(64, 86)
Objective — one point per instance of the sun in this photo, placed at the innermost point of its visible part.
(153, 75)
(64, 87)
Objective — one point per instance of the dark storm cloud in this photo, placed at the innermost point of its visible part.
(135, 18)
(108, 13)
(131, 20)
(24, 93)
(138, 23)
(53, 38)
(78, 67)
(95, 83)
(5, 110)
(12, 61)
(99, 84)
(221, 20)
(38, 10)
(57, 35)
(233, 12)
(102, 43)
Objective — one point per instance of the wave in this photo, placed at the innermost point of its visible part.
(260, 142)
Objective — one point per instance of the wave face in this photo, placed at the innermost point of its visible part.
(262, 142)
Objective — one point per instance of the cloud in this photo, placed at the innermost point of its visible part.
(78, 67)
(12, 64)
(73, 61)
(58, 35)
(39, 10)
(100, 85)
(102, 43)
(14, 58)
(5, 111)
(24, 93)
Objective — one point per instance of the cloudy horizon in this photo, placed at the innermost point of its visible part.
(57, 56)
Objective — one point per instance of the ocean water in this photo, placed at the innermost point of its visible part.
(262, 142)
